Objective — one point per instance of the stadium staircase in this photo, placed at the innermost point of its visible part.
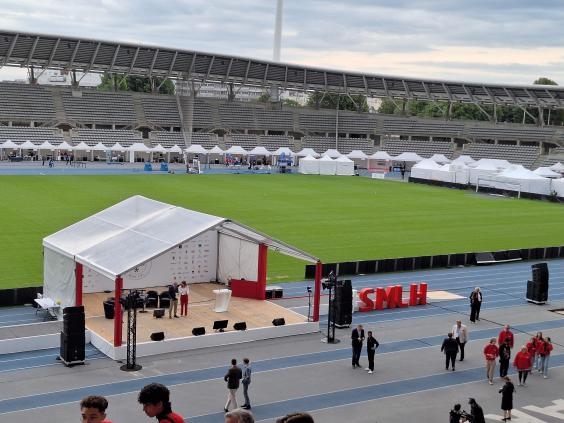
(59, 107)
(140, 112)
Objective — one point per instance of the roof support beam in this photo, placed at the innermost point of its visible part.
(10, 50)
(153, 62)
(112, 63)
(53, 51)
(30, 55)
(134, 60)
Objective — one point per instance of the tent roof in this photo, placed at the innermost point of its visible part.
(62, 146)
(558, 167)
(28, 144)
(380, 155)
(343, 159)
(138, 229)
(118, 147)
(408, 156)
(198, 149)
(236, 149)
(332, 153)
(216, 150)
(82, 146)
(427, 164)
(304, 152)
(159, 149)
(357, 154)
(101, 147)
(176, 149)
(547, 172)
(259, 150)
(440, 158)
(9, 144)
(139, 146)
(283, 150)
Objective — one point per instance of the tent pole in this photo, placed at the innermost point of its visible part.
(261, 273)
(117, 313)
(78, 277)
(317, 295)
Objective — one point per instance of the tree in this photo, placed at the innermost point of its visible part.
(136, 83)
(544, 81)
(355, 103)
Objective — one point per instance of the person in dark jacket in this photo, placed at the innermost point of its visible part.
(504, 357)
(506, 392)
(450, 348)
(455, 414)
(233, 377)
(476, 412)
(371, 345)
(475, 304)
(173, 301)
(357, 337)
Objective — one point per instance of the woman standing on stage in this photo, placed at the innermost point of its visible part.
(183, 290)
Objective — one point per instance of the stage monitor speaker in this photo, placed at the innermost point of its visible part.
(74, 325)
(199, 331)
(220, 325)
(240, 326)
(72, 348)
(158, 313)
(157, 336)
(279, 321)
(73, 310)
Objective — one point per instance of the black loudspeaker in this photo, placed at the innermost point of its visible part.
(540, 282)
(158, 313)
(279, 321)
(157, 336)
(342, 303)
(199, 331)
(240, 326)
(73, 310)
(72, 350)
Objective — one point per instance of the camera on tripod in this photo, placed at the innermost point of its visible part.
(330, 281)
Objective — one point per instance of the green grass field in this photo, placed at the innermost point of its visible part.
(334, 218)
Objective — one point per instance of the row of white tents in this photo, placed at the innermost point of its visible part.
(493, 173)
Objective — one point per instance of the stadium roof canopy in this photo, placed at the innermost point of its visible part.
(58, 52)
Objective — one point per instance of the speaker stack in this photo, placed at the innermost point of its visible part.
(537, 288)
(73, 346)
(342, 304)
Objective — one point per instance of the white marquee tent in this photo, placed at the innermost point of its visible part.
(424, 169)
(332, 153)
(136, 240)
(304, 152)
(528, 181)
(547, 172)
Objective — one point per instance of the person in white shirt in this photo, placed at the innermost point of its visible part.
(183, 290)
(460, 333)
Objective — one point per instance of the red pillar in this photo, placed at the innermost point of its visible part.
(78, 277)
(317, 291)
(261, 273)
(117, 313)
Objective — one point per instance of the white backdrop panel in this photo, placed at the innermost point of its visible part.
(238, 259)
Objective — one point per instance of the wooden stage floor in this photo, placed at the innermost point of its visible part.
(256, 313)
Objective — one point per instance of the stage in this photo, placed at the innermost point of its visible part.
(257, 314)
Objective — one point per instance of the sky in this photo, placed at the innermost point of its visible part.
(493, 41)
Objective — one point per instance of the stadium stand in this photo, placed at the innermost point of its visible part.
(25, 103)
(169, 139)
(247, 141)
(93, 107)
(525, 155)
(273, 142)
(20, 134)
(425, 148)
(108, 137)
(426, 127)
(161, 110)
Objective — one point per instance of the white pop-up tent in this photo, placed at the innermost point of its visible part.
(327, 166)
(344, 166)
(137, 243)
(424, 169)
(309, 166)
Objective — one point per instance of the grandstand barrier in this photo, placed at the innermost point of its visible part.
(401, 264)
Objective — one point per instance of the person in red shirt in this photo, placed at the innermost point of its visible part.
(544, 352)
(155, 399)
(532, 349)
(491, 352)
(539, 341)
(505, 334)
(93, 409)
(522, 362)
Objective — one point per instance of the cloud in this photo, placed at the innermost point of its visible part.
(506, 40)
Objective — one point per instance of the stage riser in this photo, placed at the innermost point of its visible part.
(146, 349)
